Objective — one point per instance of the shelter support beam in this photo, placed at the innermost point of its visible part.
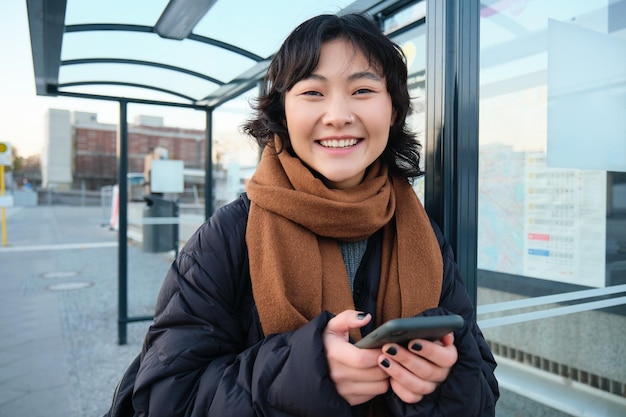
(122, 247)
(452, 96)
(208, 166)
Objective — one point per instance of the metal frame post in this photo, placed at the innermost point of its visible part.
(452, 96)
(122, 249)
(208, 164)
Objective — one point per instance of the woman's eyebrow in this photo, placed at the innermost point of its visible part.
(313, 76)
(356, 76)
(364, 74)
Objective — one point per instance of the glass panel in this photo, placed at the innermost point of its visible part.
(224, 22)
(180, 84)
(136, 12)
(209, 60)
(264, 24)
(167, 146)
(413, 43)
(235, 154)
(552, 218)
(405, 17)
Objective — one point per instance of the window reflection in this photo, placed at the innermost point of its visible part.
(552, 217)
(235, 155)
(413, 43)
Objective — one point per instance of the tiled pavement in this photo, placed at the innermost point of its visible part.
(59, 355)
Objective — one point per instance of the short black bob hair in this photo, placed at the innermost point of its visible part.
(298, 57)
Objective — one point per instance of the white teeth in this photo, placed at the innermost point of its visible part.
(338, 143)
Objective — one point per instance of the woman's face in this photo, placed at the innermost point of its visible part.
(339, 117)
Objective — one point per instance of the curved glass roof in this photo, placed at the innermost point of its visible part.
(190, 53)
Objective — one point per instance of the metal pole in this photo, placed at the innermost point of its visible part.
(452, 127)
(122, 254)
(208, 163)
(466, 181)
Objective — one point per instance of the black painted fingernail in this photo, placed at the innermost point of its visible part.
(385, 363)
(392, 350)
(361, 316)
(416, 347)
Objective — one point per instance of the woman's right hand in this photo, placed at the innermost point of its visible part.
(355, 371)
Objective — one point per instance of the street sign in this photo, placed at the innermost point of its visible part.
(6, 158)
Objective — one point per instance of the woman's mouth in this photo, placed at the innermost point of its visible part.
(338, 143)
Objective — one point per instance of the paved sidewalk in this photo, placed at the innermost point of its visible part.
(59, 355)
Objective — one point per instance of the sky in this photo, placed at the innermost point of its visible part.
(22, 112)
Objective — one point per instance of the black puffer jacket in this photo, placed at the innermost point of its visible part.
(206, 354)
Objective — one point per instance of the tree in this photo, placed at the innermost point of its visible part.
(18, 162)
(26, 168)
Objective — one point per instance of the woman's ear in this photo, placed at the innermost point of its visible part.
(393, 118)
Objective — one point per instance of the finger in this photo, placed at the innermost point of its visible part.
(408, 386)
(404, 394)
(359, 393)
(447, 340)
(344, 373)
(340, 352)
(442, 353)
(346, 320)
(368, 389)
(416, 364)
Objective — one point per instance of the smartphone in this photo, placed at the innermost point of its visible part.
(401, 331)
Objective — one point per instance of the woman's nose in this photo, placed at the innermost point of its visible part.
(338, 112)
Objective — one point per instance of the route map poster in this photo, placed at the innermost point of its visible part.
(540, 222)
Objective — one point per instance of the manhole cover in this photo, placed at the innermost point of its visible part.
(67, 286)
(60, 274)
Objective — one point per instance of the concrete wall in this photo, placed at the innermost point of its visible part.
(57, 154)
(22, 198)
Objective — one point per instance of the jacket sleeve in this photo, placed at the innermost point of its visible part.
(199, 358)
(471, 389)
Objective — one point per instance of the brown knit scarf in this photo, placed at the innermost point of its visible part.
(296, 266)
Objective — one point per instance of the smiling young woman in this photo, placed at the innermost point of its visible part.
(259, 313)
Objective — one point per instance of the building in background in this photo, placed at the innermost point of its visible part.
(80, 152)
(56, 157)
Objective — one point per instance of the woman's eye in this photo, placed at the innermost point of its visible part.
(312, 93)
(363, 91)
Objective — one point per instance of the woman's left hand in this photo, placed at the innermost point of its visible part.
(417, 371)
